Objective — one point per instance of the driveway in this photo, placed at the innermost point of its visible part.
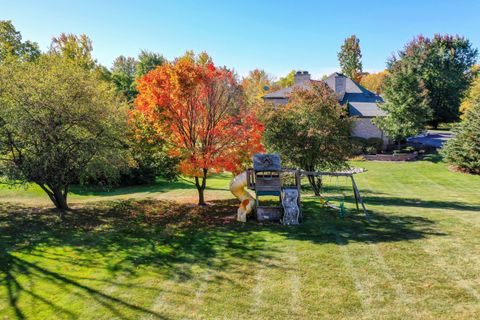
(435, 139)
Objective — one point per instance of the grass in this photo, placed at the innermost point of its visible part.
(116, 257)
(182, 190)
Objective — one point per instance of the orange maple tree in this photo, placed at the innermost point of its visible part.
(197, 107)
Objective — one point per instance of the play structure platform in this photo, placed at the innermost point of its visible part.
(268, 179)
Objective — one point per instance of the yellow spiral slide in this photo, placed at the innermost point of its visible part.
(247, 202)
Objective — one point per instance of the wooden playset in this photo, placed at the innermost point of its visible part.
(265, 179)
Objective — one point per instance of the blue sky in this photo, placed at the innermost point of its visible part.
(277, 36)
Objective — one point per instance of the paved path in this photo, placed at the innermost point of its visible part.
(434, 139)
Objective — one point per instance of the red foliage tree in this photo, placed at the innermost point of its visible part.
(197, 107)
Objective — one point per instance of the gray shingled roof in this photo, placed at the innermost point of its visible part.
(361, 102)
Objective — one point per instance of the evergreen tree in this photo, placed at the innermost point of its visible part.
(463, 151)
(350, 57)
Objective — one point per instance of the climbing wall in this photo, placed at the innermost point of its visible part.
(291, 211)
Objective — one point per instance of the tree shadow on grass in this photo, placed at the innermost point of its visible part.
(433, 157)
(323, 225)
(119, 239)
(129, 238)
(160, 186)
(419, 203)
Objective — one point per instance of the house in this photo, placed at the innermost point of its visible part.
(362, 103)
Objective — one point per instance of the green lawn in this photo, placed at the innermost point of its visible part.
(152, 258)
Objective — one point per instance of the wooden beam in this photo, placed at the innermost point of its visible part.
(360, 198)
(355, 193)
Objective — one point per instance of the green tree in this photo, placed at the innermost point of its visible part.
(255, 85)
(127, 70)
(59, 124)
(287, 81)
(350, 58)
(75, 48)
(123, 77)
(125, 65)
(149, 155)
(311, 132)
(148, 61)
(444, 65)
(11, 45)
(463, 151)
(406, 105)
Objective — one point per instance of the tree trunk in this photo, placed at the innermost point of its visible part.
(58, 195)
(316, 184)
(201, 187)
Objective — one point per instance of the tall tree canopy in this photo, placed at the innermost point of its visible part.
(374, 81)
(287, 81)
(195, 105)
(150, 158)
(58, 124)
(75, 48)
(123, 76)
(463, 150)
(406, 103)
(127, 70)
(311, 131)
(12, 46)
(255, 85)
(148, 61)
(444, 65)
(350, 58)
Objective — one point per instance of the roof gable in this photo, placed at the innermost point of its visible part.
(361, 102)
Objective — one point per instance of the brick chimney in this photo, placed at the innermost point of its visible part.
(301, 77)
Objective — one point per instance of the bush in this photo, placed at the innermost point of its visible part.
(358, 145)
(371, 150)
(376, 143)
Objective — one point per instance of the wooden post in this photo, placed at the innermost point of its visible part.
(355, 193)
(298, 182)
(359, 197)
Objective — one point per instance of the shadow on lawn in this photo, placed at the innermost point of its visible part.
(159, 186)
(128, 238)
(119, 239)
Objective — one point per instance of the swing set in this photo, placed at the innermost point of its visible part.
(265, 178)
(337, 175)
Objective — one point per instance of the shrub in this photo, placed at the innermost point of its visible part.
(371, 150)
(376, 143)
(357, 145)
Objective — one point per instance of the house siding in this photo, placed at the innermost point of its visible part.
(364, 128)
